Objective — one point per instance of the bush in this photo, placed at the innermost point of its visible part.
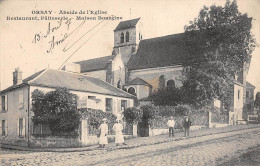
(166, 96)
(149, 112)
(132, 115)
(157, 116)
(94, 118)
(57, 108)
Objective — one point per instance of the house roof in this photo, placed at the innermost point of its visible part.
(127, 24)
(33, 76)
(138, 81)
(249, 85)
(58, 78)
(94, 64)
(24, 82)
(159, 52)
(78, 82)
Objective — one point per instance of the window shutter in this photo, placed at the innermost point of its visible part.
(21, 99)
(6, 102)
(23, 131)
(0, 103)
(1, 128)
(18, 127)
(6, 127)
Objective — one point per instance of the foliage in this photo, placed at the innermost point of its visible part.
(95, 117)
(167, 111)
(257, 100)
(149, 112)
(166, 96)
(220, 43)
(57, 108)
(198, 116)
(133, 115)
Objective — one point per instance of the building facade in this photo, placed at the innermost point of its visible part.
(16, 102)
(146, 65)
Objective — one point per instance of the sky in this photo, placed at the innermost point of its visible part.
(28, 45)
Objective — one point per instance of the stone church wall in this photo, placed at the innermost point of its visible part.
(152, 75)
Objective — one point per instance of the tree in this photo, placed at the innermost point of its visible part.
(168, 96)
(220, 44)
(57, 108)
(257, 100)
(257, 104)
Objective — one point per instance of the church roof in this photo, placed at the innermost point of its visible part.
(94, 64)
(127, 24)
(138, 81)
(249, 85)
(159, 52)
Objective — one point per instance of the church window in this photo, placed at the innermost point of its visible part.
(131, 90)
(247, 94)
(122, 38)
(127, 36)
(161, 81)
(171, 83)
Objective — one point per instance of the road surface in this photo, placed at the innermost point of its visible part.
(218, 149)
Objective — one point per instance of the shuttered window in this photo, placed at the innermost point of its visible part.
(21, 103)
(4, 103)
(21, 127)
(3, 128)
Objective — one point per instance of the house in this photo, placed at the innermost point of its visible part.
(141, 66)
(16, 102)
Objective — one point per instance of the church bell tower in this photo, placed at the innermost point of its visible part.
(127, 36)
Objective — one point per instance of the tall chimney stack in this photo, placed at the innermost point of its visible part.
(17, 76)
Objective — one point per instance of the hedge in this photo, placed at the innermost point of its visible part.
(158, 116)
(94, 118)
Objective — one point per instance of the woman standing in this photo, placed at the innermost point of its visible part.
(103, 128)
(119, 135)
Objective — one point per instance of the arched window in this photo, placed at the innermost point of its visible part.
(127, 36)
(119, 84)
(122, 38)
(171, 83)
(161, 81)
(131, 90)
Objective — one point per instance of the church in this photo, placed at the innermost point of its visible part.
(136, 65)
(141, 66)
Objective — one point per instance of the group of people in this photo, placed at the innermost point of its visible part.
(118, 128)
(103, 131)
(186, 123)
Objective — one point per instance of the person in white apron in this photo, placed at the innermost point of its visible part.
(118, 127)
(103, 129)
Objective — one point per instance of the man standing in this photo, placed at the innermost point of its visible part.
(171, 124)
(186, 125)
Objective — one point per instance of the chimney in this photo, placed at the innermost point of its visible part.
(17, 76)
